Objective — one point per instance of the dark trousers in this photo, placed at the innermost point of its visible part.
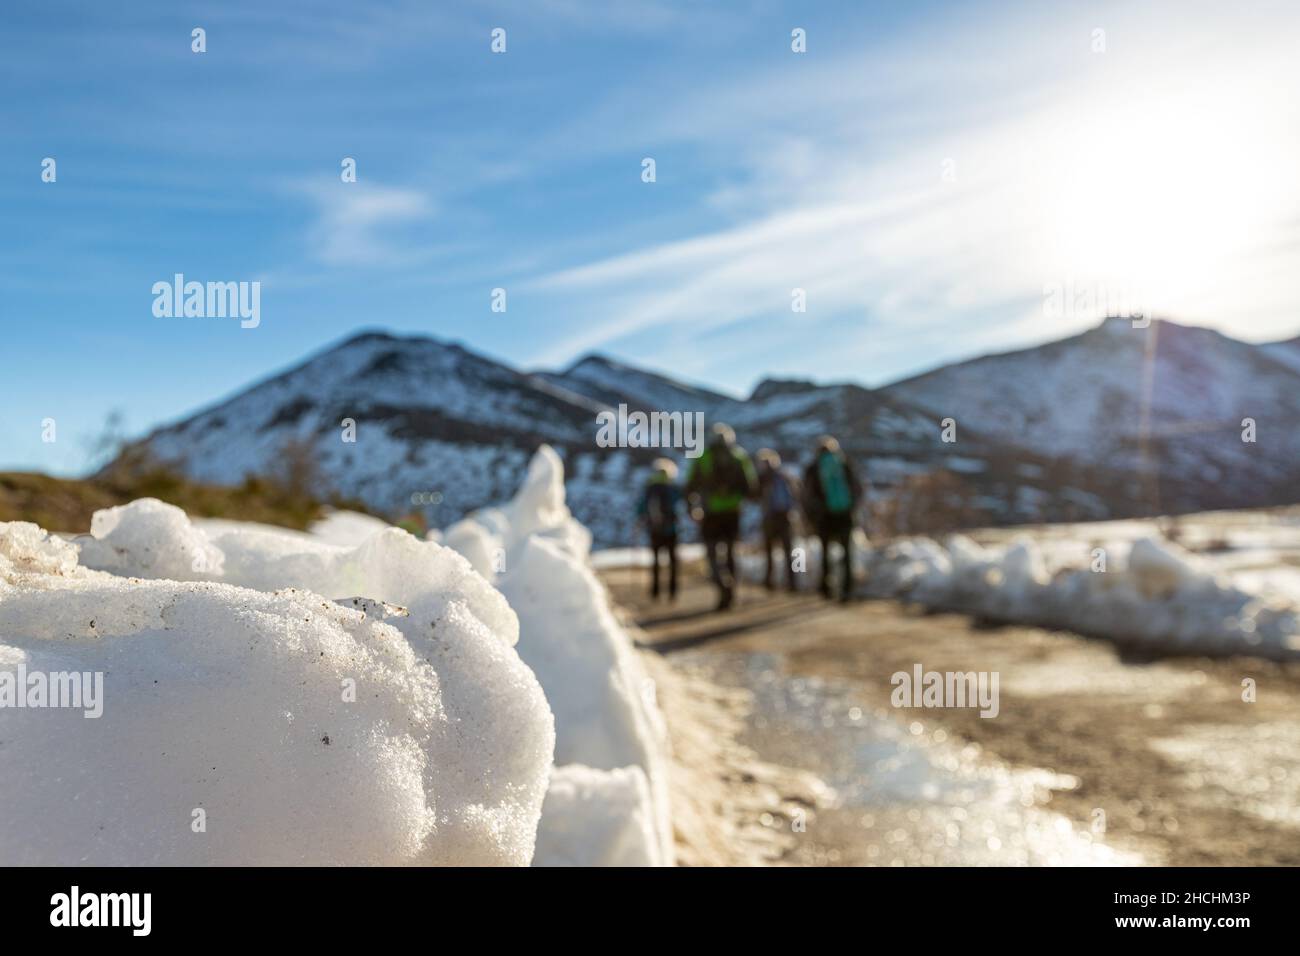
(720, 532)
(837, 529)
(659, 544)
(776, 534)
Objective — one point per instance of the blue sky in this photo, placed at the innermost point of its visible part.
(926, 172)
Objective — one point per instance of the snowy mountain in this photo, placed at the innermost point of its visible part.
(1046, 433)
(1288, 352)
(1091, 398)
(437, 429)
(609, 382)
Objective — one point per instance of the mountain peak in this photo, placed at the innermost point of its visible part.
(368, 336)
(781, 386)
(435, 415)
(593, 360)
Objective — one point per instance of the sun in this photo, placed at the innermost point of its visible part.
(1160, 194)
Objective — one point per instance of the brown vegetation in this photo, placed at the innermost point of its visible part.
(290, 498)
(931, 503)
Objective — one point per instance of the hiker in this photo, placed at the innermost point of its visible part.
(777, 495)
(657, 511)
(720, 479)
(831, 492)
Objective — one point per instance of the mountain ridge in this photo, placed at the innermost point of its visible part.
(1048, 432)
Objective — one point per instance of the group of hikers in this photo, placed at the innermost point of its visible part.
(720, 480)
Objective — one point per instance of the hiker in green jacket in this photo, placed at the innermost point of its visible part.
(831, 492)
(720, 479)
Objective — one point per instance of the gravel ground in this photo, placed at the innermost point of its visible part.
(1091, 759)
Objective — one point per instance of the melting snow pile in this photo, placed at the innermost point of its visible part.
(1160, 596)
(598, 817)
(608, 800)
(266, 699)
(351, 695)
(346, 527)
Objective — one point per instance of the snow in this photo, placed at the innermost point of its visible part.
(149, 539)
(1088, 397)
(1237, 593)
(481, 665)
(640, 557)
(606, 717)
(1151, 593)
(611, 382)
(228, 733)
(432, 422)
(346, 527)
(598, 818)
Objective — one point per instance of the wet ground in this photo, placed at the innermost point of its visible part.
(901, 796)
(1091, 759)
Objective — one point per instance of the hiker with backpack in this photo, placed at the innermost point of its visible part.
(831, 492)
(657, 511)
(720, 479)
(777, 495)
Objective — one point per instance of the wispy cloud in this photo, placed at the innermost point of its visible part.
(1157, 167)
(359, 224)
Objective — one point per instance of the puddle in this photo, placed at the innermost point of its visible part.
(1255, 768)
(903, 795)
(1086, 672)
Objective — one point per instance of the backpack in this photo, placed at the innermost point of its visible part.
(779, 498)
(834, 480)
(725, 474)
(723, 477)
(660, 513)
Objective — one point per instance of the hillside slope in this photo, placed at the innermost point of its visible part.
(1048, 433)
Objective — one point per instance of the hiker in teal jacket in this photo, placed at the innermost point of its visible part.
(831, 492)
(720, 479)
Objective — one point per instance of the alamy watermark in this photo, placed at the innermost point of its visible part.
(624, 429)
(922, 688)
(130, 910)
(21, 689)
(219, 300)
(1081, 299)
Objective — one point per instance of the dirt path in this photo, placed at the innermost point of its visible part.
(1159, 762)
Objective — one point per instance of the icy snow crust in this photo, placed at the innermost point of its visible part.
(227, 648)
(608, 803)
(1152, 594)
(227, 665)
(597, 818)
(1156, 595)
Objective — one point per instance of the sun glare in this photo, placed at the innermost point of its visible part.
(1164, 193)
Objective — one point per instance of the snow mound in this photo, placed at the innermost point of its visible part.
(246, 727)
(479, 546)
(1161, 597)
(26, 548)
(149, 539)
(606, 717)
(349, 695)
(1159, 569)
(597, 818)
(348, 528)
(539, 508)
